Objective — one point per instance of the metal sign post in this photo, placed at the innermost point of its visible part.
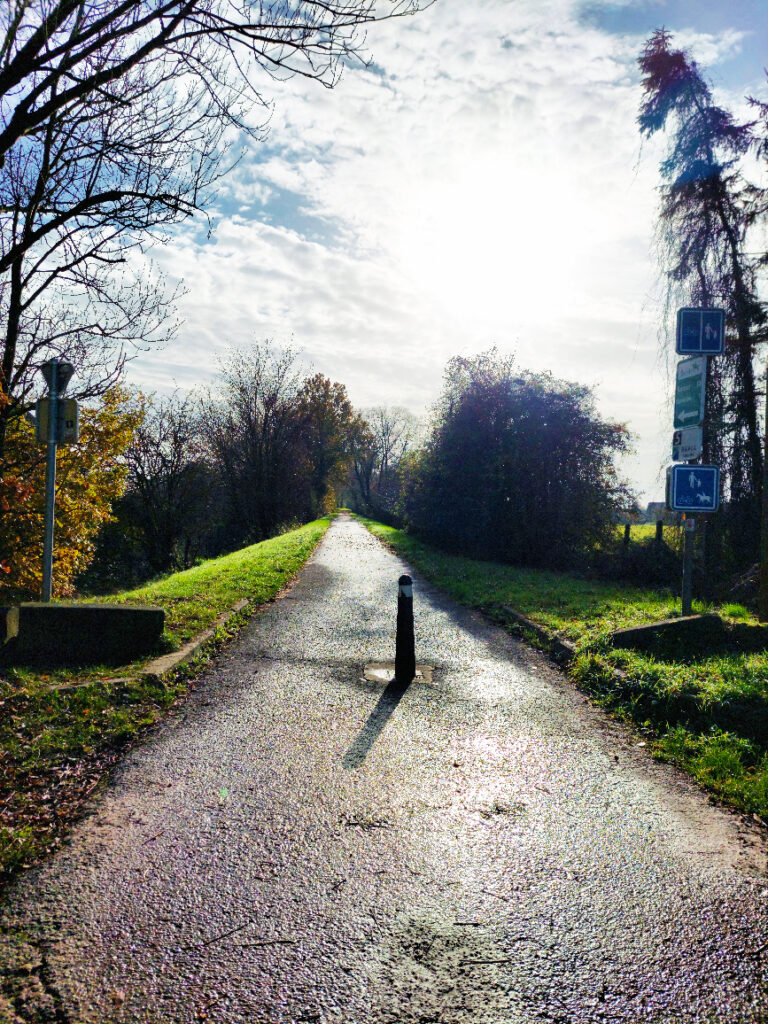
(762, 602)
(57, 374)
(691, 487)
(689, 527)
(50, 479)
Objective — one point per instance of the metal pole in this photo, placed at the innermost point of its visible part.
(689, 527)
(405, 651)
(762, 601)
(50, 482)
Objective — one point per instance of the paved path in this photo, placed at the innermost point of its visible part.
(300, 844)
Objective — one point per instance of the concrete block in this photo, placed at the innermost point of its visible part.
(689, 633)
(82, 634)
(9, 623)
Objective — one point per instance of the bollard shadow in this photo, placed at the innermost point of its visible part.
(374, 726)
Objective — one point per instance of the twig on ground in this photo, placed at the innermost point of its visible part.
(216, 938)
(265, 942)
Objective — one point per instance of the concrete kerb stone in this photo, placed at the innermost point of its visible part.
(158, 669)
(563, 650)
(9, 623)
(72, 633)
(707, 629)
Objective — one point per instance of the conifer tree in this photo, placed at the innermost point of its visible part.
(707, 207)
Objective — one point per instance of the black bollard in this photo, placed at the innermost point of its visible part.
(405, 653)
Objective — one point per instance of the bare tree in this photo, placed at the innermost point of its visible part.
(57, 54)
(365, 461)
(78, 204)
(390, 433)
(168, 482)
(394, 430)
(112, 120)
(251, 426)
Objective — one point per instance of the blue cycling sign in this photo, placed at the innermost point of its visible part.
(693, 488)
(700, 332)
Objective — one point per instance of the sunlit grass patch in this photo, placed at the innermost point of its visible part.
(562, 601)
(194, 598)
(737, 612)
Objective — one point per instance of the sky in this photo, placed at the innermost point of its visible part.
(482, 183)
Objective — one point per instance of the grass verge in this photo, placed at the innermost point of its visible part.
(61, 730)
(707, 713)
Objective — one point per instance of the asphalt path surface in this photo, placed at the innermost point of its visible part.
(298, 842)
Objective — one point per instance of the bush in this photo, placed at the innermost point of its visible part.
(519, 468)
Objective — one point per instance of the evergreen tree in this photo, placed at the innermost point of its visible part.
(707, 207)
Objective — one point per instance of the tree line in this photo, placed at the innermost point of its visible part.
(156, 483)
(117, 121)
(512, 466)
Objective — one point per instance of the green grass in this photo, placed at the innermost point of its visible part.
(60, 730)
(195, 598)
(640, 531)
(707, 712)
(573, 606)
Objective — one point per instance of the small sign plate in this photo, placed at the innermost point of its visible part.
(687, 444)
(68, 416)
(693, 488)
(700, 331)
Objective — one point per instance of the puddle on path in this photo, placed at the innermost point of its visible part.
(384, 672)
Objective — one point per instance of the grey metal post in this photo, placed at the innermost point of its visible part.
(405, 650)
(689, 527)
(762, 602)
(50, 481)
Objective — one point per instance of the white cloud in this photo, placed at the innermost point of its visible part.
(479, 185)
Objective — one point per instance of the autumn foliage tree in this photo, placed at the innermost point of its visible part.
(329, 430)
(14, 493)
(91, 476)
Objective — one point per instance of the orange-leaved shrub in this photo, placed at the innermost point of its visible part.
(90, 477)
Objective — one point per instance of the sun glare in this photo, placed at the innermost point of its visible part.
(481, 248)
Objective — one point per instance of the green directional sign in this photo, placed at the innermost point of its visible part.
(689, 392)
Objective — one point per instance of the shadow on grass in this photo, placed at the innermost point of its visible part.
(375, 724)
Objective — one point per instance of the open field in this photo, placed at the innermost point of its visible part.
(61, 730)
(706, 712)
(645, 533)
